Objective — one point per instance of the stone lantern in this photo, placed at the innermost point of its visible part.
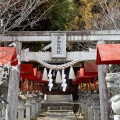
(113, 84)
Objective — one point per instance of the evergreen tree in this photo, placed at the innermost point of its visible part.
(59, 16)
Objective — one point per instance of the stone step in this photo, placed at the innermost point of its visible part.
(46, 104)
(45, 114)
(59, 98)
(60, 116)
(60, 108)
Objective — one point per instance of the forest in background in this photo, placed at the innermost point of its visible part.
(63, 15)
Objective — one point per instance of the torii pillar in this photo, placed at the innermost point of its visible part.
(13, 89)
(103, 91)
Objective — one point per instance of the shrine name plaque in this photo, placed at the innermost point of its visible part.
(58, 45)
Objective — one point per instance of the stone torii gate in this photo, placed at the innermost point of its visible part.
(71, 36)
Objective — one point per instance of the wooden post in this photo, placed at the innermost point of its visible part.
(95, 84)
(38, 87)
(80, 86)
(22, 84)
(28, 85)
(103, 91)
(89, 86)
(86, 86)
(32, 85)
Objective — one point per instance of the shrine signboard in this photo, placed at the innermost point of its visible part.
(58, 45)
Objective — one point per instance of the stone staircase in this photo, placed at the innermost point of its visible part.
(58, 98)
(54, 111)
(60, 109)
(60, 113)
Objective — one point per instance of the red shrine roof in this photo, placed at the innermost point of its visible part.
(27, 71)
(85, 74)
(8, 54)
(108, 54)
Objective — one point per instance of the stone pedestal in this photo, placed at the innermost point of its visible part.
(40, 99)
(28, 105)
(80, 94)
(37, 103)
(79, 106)
(96, 107)
(85, 96)
(21, 109)
(83, 102)
(88, 103)
(113, 84)
(96, 111)
(85, 108)
(33, 108)
(90, 110)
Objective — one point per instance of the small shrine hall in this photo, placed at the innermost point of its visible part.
(31, 78)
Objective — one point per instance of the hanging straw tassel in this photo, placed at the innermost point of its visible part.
(71, 73)
(58, 77)
(45, 76)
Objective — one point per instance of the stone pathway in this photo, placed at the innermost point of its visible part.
(44, 115)
(60, 111)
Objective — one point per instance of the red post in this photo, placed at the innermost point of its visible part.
(89, 86)
(95, 86)
(82, 86)
(22, 84)
(33, 85)
(38, 86)
(28, 85)
(86, 86)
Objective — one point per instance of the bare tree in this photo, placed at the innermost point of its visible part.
(13, 13)
(109, 17)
